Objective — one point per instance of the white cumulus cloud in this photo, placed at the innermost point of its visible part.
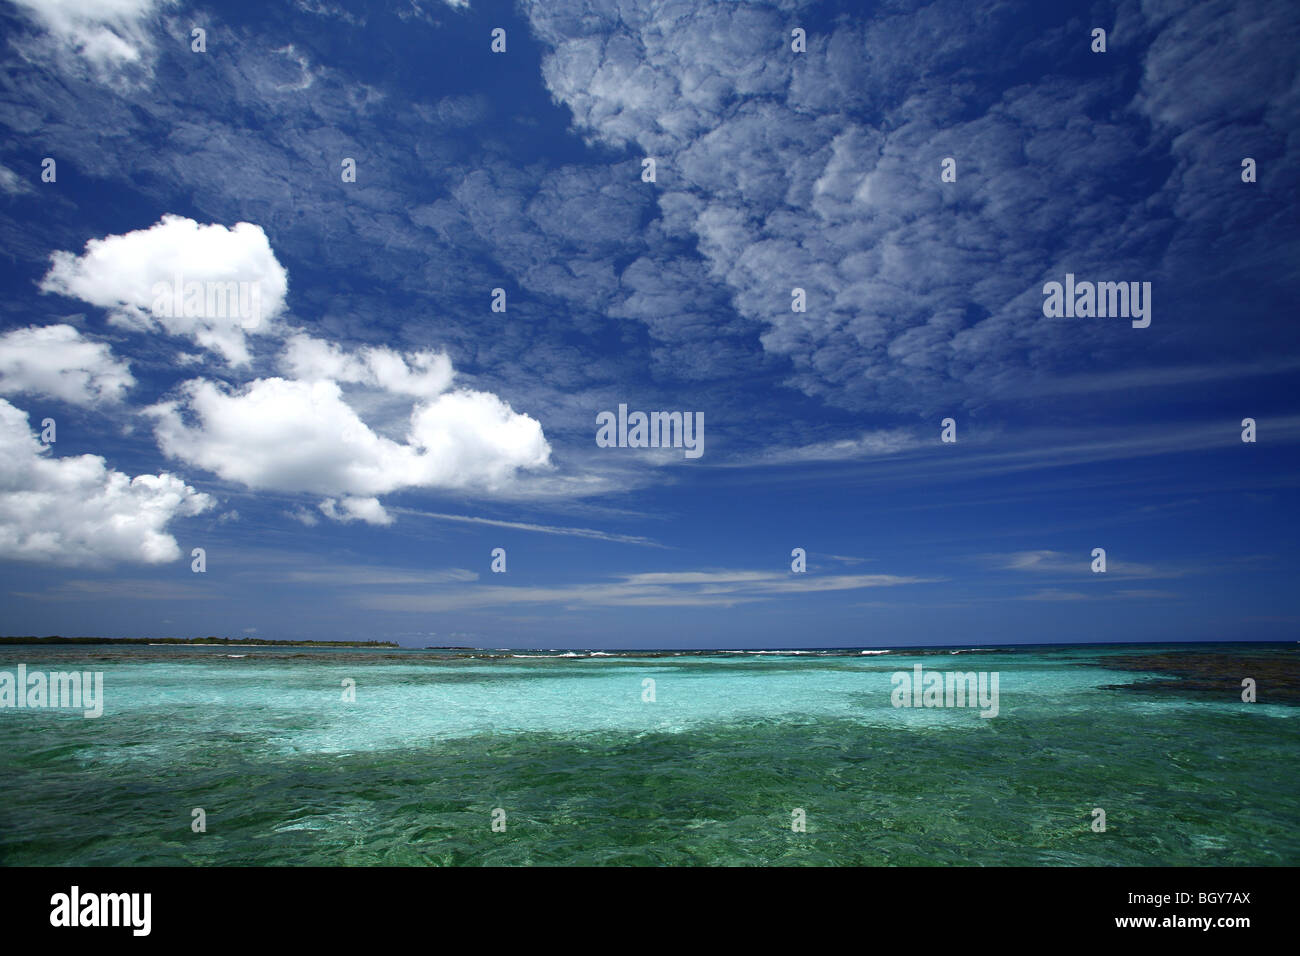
(420, 374)
(76, 510)
(302, 435)
(368, 510)
(204, 282)
(56, 361)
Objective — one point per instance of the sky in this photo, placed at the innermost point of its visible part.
(453, 258)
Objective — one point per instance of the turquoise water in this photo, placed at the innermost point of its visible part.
(589, 772)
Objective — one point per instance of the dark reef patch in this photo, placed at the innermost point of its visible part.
(1216, 674)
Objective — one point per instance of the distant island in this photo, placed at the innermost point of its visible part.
(239, 641)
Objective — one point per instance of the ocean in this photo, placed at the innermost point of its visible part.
(231, 755)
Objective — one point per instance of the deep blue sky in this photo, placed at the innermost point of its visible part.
(775, 169)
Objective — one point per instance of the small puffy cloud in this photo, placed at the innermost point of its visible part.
(56, 361)
(302, 435)
(368, 510)
(204, 282)
(419, 374)
(77, 510)
(303, 515)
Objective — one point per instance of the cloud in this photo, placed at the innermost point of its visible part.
(369, 576)
(56, 361)
(1057, 594)
(226, 281)
(108, 34)
(869, 445)
(368, 510)
(1041, 560)
(994, 451)
(708, 588)
(304, 516)
(1045, 561)
(120, 588)
(590, 533)
(821, 172)
(12, 183)
(77, 510)
(420, 374)
(302, 435)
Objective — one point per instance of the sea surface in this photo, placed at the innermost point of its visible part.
(711, 763)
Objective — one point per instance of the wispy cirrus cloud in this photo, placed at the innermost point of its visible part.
(1059, 563)
(707, 588)
(12, 183)
(109, 36)
(363, 575)
(880, 443)
(590, 533)
(120, 588)
(1059, 594)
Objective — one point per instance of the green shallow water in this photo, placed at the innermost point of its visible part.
(588, 772)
